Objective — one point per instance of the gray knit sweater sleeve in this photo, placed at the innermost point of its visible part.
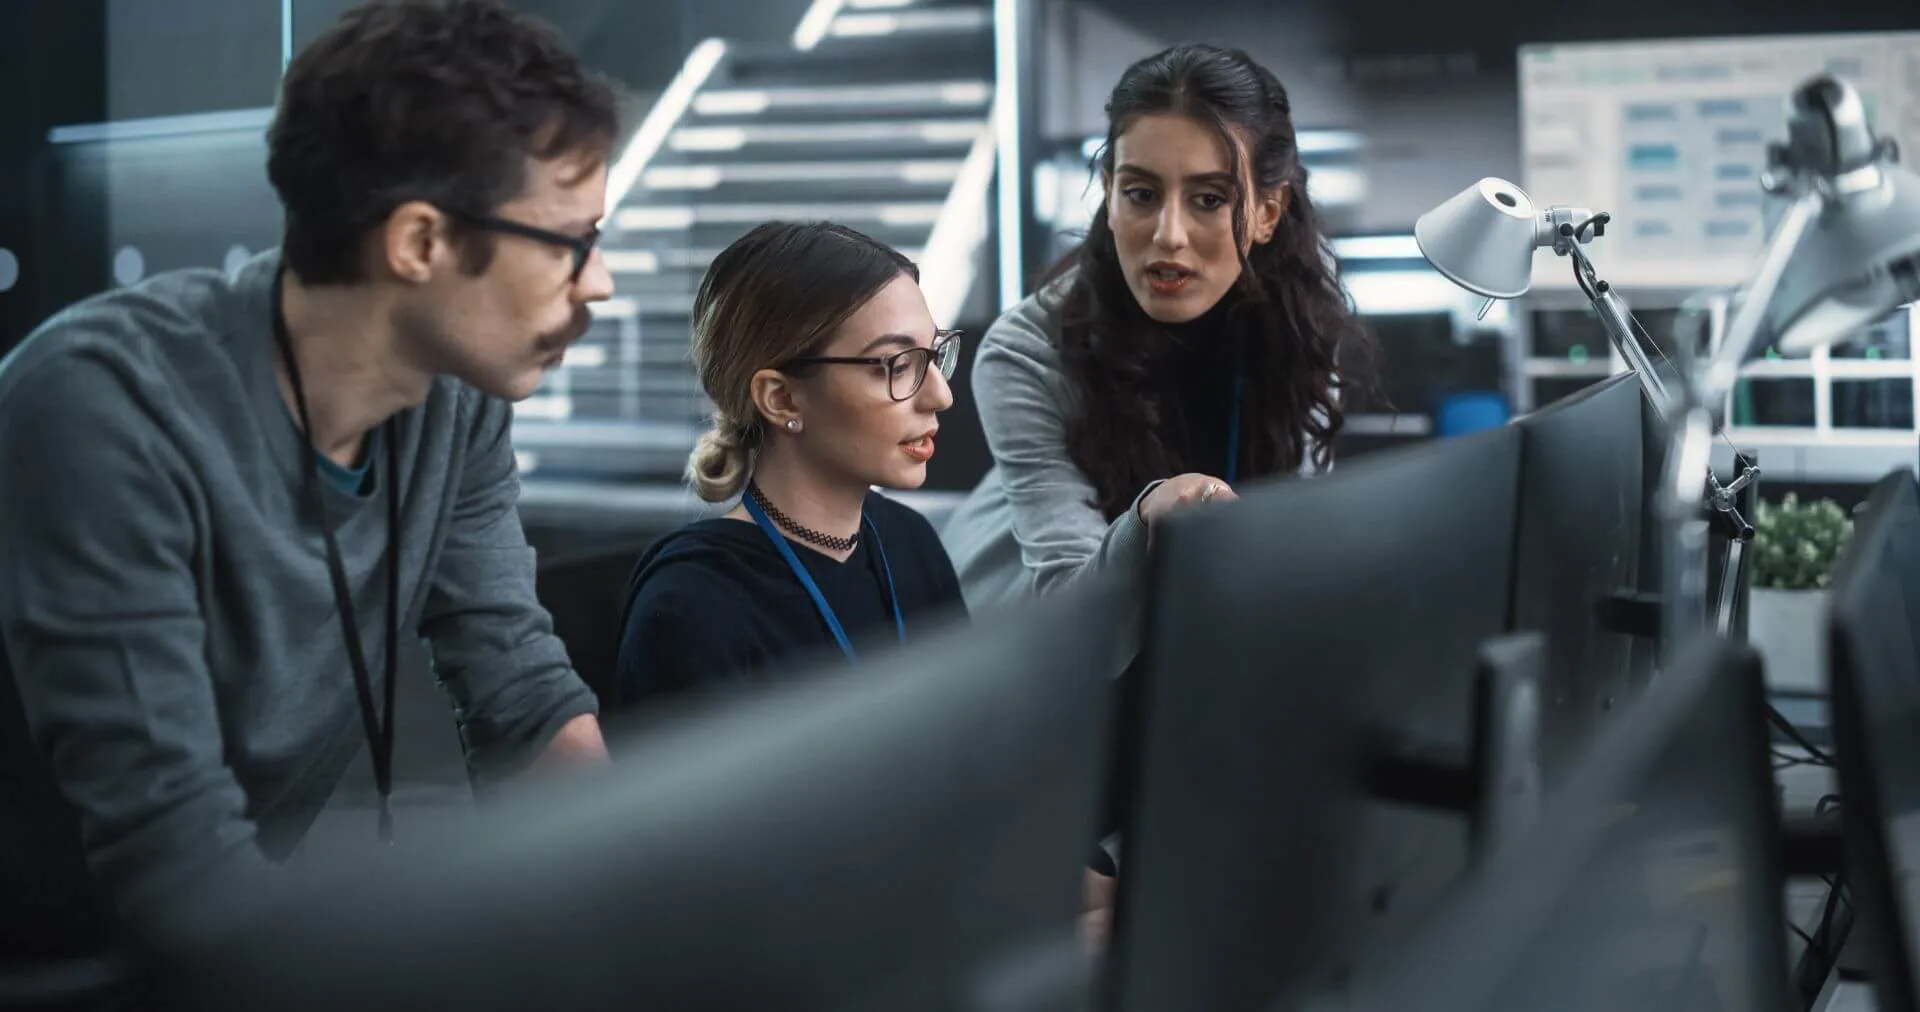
(1042, 499)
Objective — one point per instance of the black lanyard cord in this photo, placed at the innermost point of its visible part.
(378, 724)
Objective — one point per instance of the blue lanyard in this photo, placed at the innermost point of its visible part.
(813, 589)
(1233, 431)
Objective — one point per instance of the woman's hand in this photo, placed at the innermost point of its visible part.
(1180, 491)
(1096, 915)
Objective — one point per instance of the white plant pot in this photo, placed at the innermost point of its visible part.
(1789, 628)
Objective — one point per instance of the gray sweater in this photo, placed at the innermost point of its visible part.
(178, 700)
(1030, 526)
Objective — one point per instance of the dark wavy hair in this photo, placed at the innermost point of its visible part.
(1292, 329)
(440, 101)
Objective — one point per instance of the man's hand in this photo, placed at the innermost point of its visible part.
(577, 743)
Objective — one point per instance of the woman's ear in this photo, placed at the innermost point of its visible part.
(775, 397)
(1268, 212)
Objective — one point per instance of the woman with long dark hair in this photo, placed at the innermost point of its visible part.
(1197, 337)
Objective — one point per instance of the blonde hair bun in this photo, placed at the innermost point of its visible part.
(717, 468)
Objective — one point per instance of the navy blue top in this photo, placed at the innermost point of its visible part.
(713, 605)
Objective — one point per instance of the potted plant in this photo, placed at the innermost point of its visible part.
(1794, 548)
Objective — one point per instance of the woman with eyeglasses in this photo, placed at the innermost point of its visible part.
(828, 376)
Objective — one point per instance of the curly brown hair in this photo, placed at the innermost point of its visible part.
(441, 101)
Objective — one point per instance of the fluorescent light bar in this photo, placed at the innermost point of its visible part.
(1377, 247)
(661, 119)
(731, 138)
(585, 356)
(654, 219)
(614, 309)
(814, 24)
(551, 407)
(225, 121)
(752, 101)
(1386, 293)
(631, 261)
(682, 177)
(706, 177)
(708, 139)
(946, 19)
(947, 267)
(733, 102)
(1337, 186)
(1323, 142)
(864, 26)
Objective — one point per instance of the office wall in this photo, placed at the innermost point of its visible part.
(1432, 86)
(186, 56)
(66, 213)
(52, 71)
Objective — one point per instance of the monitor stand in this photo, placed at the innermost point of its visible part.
(1496, 785)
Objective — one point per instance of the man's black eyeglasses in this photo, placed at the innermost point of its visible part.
(582, 246)
(906, 370)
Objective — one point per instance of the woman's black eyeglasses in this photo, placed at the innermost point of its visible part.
(906, 370)
(582, 246)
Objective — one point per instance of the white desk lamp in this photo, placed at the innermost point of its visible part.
(1846, 253)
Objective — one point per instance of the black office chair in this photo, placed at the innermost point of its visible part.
(584, 593)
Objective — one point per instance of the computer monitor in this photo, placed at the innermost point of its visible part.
(1671, 135)
(1874, 673)
(1653, 881)
(1577, 543)
(909, 835)
(1287, 631)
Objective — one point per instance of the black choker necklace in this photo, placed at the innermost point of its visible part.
(828, 541)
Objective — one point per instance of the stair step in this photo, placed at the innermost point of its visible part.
(755, 182)
(674, 219)
(622, 307)
(866, 135)
(638, 381)
(859, 61)
(634, 435)
(894, 5)
(717, 235)
(897, 95)
(678, 260)
(909, 21)
(660, 345)
(607, 382)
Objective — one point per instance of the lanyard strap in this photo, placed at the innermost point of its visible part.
(1233, 430)
(813, 589)
(378, 726)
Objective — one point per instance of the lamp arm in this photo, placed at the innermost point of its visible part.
(1722, 371)
(1619, 328)
(1683, 557)
(1683, 561)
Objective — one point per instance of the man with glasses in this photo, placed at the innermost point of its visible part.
(228, 497)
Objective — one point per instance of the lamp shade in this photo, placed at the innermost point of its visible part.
(1482, 239)
(1857, 261)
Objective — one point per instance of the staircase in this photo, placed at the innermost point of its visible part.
(877, 116)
